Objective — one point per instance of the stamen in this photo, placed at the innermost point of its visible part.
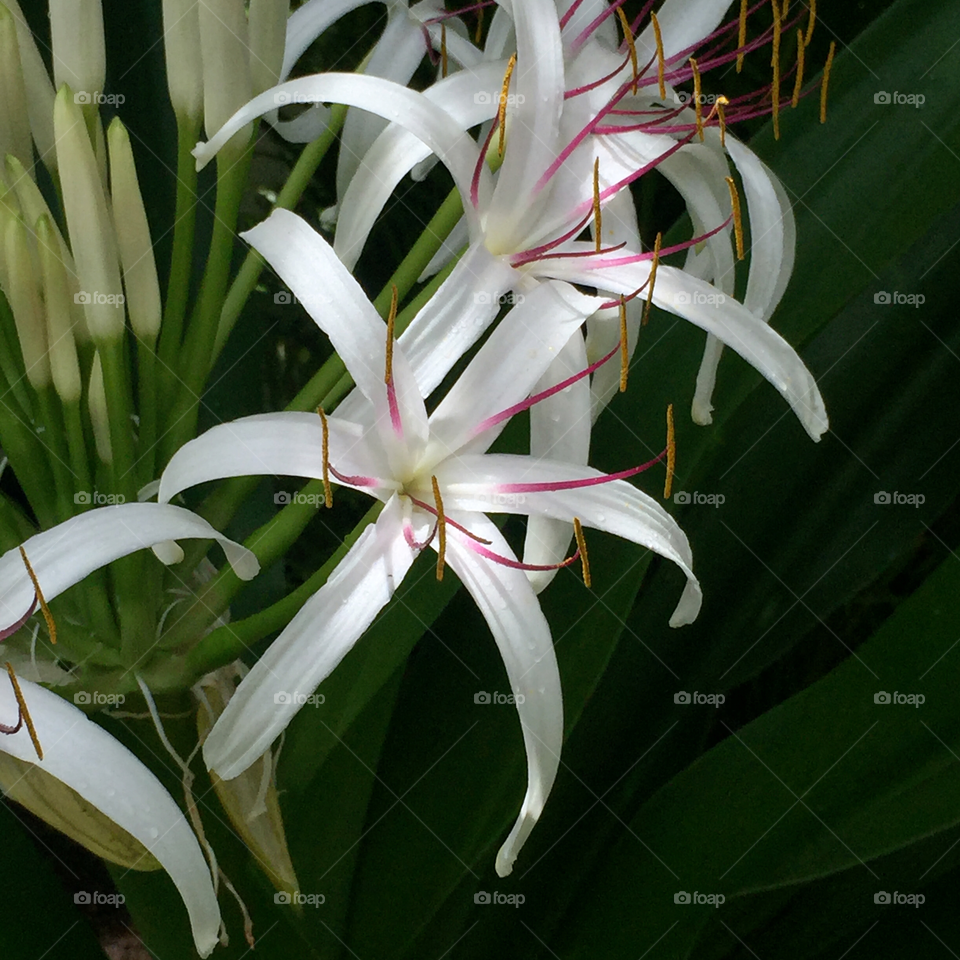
(798, 83)
(671, 454)
(443, 49)
(660, 64)
(775, 63)
(446, 519)
(784, 8)
(597, 216)
(742, 38)
(24, 712)
(722, 101)
(624, 348)
(737, 222)
(391, 319)
(47, 615)
(697, 99)
(653, 279)
(825, 81)
(479, 32)
(810, 23)
(502, 109)
(582, 550)
(327, 489)
(441, 528)
(628, 36)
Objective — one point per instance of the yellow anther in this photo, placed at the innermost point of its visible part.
(628, 36)
(775, 63)
(443, 49)
(697, 97)
(784, 9)
(479, 32)
(653, 279)
(327, 489)
(597, 216)
(24, 712)
(671, 454)
(660, 64)
(810, 22)
(742, 37)
(825, 81)
(45, 610)
(798, 83)
(582, 547)
(441, 528)
(391, 320)
(737, 222)
(502, 109)
(624, 346)
(722, 101)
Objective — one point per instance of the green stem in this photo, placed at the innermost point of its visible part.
(11, 360)
(29, 462)
(56, 450)
(287, 199)
(73, 421)
(147, 390)
(228, 643)
(119, 393)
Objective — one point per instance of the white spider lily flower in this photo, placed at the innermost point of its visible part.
(84, 758)
(437, 484)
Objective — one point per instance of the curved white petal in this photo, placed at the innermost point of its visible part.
(385, 99)
(683, 24)
(456, 240)
(473, 483)
(522, 634)
(68, 552)
(282, 444)
(307, 22)
(312, 644)
(338, 305)
(107, 775)
(559, 430)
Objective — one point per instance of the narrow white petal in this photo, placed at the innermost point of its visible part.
(68, 552)
(307, 22)
(312, 644)
(683, 23)
(107, 775)
(522, 634)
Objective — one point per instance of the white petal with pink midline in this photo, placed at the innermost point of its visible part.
(313, 643)
(82, 755)
(285, 444)
(522, 634)
(70, 551)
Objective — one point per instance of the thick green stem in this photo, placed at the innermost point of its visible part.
(147, 394)
(28, 459)
(119, 393)
(56, 450)
(73, 421)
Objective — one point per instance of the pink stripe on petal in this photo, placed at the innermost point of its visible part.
(394, 409)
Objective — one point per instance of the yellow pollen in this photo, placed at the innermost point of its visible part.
(628, 36)
(624, 347)
(742, 38)
(597, 216)
(775, 63)
(327, 489)
(737, 222)
(479, 32)
(660, 65)
(784, 8)
(502, 109)
(697, 98)
(671, 454)
(443, 49)
(441, 528)
(810, 22)
(825, 81)
(653, 279)
(391, 319)
(582, 547)
(722, 101)
(799, 81)
(47, 615)
(24, 712)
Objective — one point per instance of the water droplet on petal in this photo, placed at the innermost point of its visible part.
(153, 833)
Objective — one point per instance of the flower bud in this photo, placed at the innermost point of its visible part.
(14, 122)
(23, 294)
(99, 416)
(250, 799)
(181, 47)
(133, 236)
(226, 64)
(268, 36)
(79, 56)
(88, 222)
(57, 303)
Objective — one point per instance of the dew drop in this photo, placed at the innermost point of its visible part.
(153, 833)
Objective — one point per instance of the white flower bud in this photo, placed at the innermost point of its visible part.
(89, 224)
(226, 64)
(133, 236)
(23, 294)
(181, 46)
(14, 122)
(57, 301)
(79, 55)
(268, 35)
(99, 415)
